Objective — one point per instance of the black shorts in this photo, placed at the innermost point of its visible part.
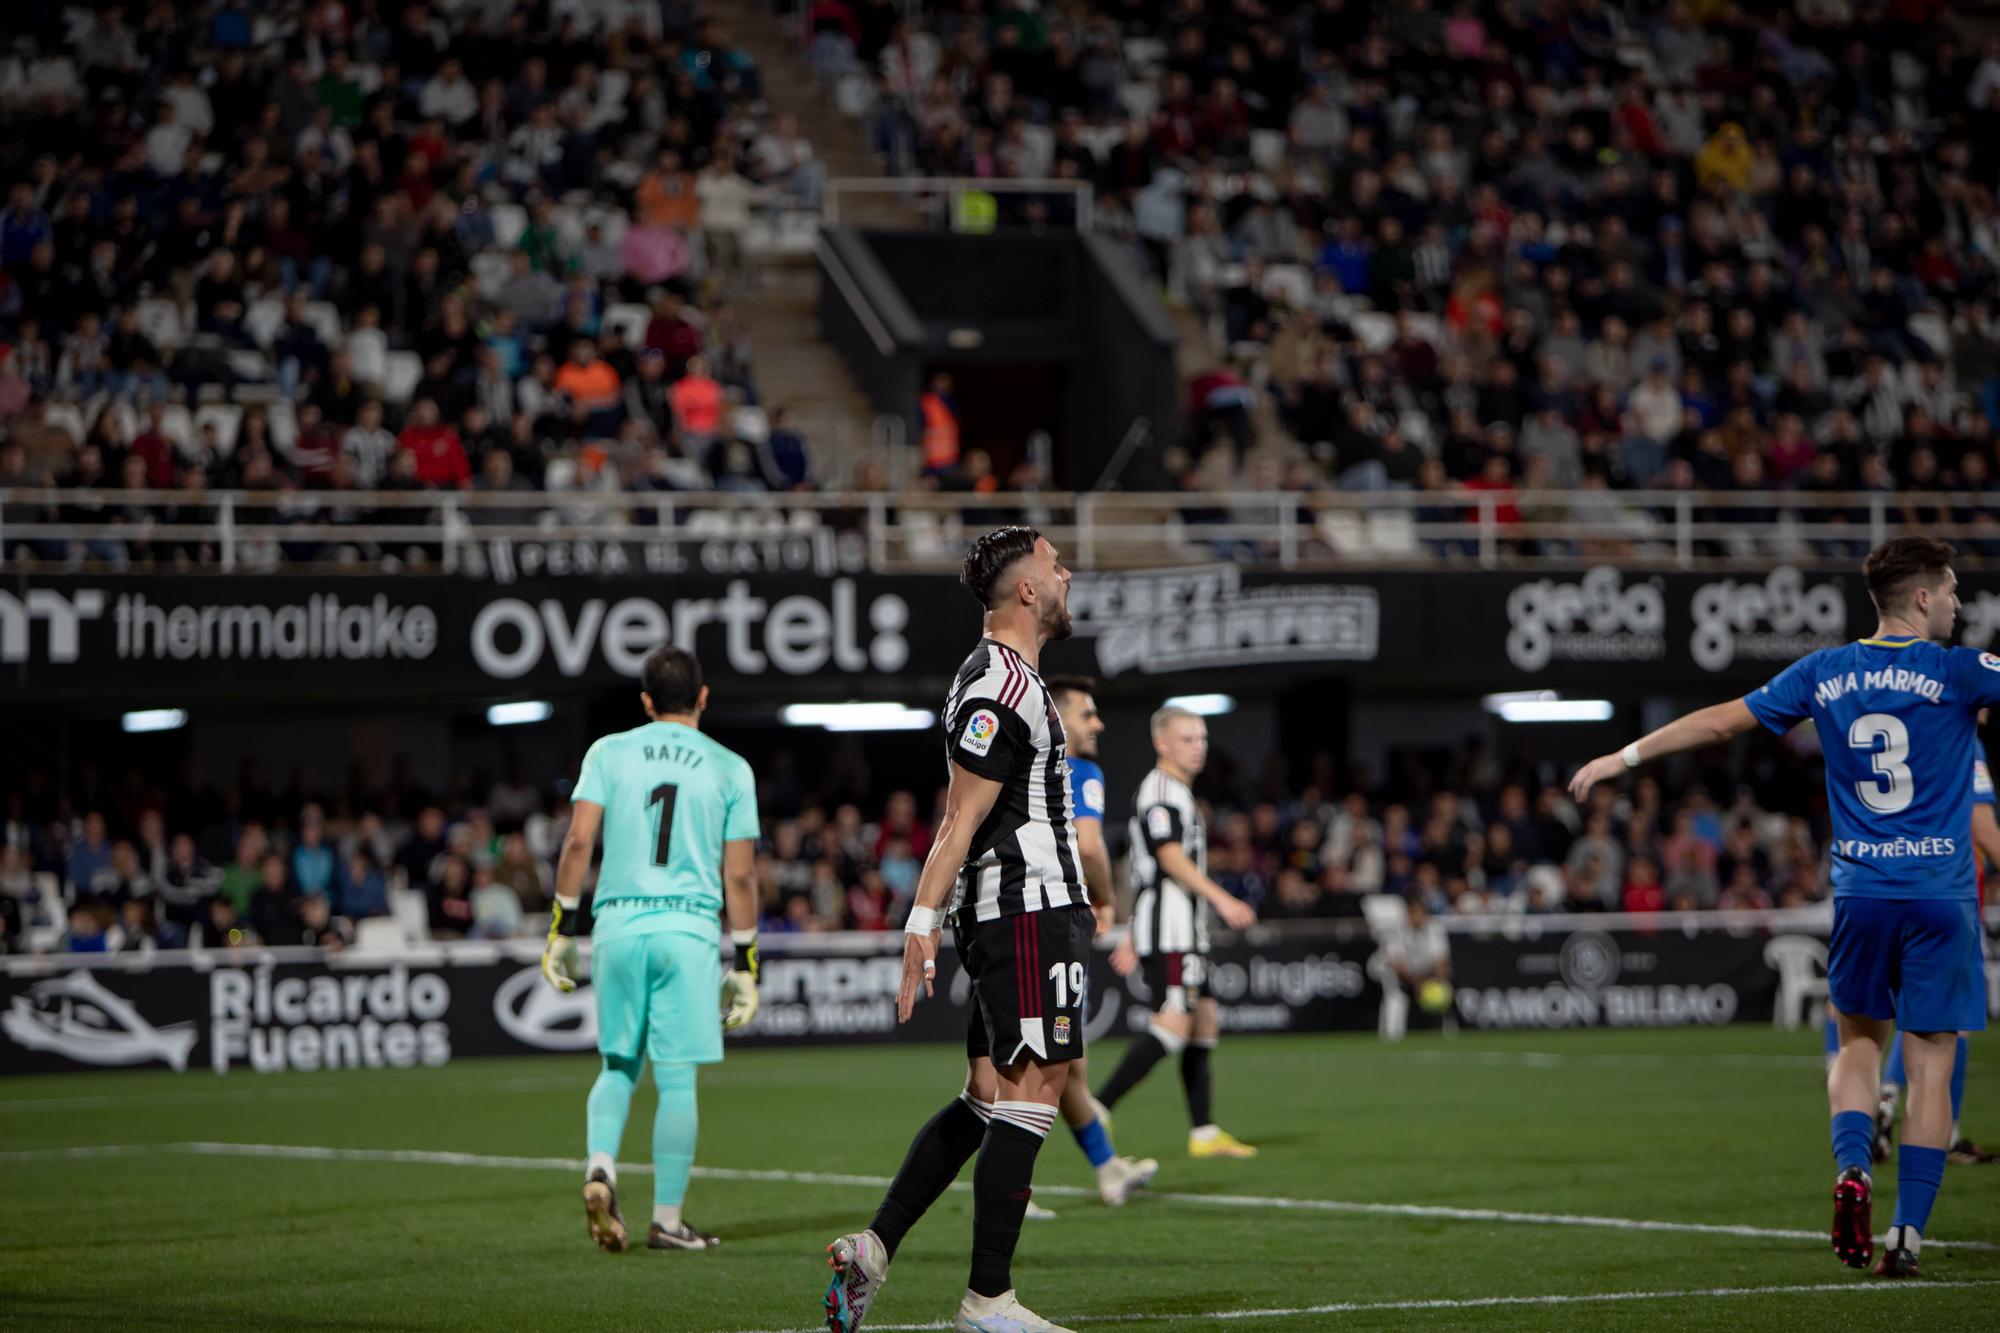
(1176, 980)
(1027, 976)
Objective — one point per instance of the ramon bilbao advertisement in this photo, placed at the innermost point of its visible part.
(246, 1015)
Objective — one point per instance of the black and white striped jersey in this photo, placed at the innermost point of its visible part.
(1166, 918)
(1001, 724)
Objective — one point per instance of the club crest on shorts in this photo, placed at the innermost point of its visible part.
(1062, 1030)
(980, 729)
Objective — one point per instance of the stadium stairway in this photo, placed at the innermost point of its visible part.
(796, 368)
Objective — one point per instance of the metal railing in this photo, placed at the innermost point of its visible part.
(923, 531)
(936, 196)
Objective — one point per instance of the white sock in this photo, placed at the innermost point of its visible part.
(985, 1305)
(1954, 1134)
(601, 1161)
(1203, 1133)
(667, 1215)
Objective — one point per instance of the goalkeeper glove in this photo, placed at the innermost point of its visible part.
(559, 962)
(739, 988)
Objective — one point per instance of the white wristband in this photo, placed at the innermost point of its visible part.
(1630, 754)
(743, 939)
(922, 921)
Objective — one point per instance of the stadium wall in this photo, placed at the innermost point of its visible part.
(300, 1009)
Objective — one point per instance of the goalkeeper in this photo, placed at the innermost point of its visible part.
(679, 814)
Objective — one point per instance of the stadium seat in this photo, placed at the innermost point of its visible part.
(227, 418)
(177, 424)
(69, 417)
(368, 355)
(631, 317)
(284, 424)
(380, 934)
(325, 317)
(1392, 532)
(509, 221)
(1268, 148)
(1289, 283)
(1140, 100)
(412, 911)
(1374, 329)
(248, 364)
(490, 272)
(263, 321)
(401, 373)
(53, 74)
(123, 416)
(160, 320)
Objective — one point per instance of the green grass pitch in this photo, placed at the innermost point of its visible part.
(1716, 1127)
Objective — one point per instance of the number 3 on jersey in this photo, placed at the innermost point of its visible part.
(663, 842)
(1889, 761)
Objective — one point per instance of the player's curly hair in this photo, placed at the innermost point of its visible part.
(1896, 568)
(991, 555)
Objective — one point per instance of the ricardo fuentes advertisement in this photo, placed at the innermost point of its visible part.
(266, 1013)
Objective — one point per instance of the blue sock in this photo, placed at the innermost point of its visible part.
(1853, 1139)
(1919, 1172)
(1096, 1144)
(610, 1102)
(1894, 1073)
(1958, 1063)
(674, 1127)
(1832, 1038)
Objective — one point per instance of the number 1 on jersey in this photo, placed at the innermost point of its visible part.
(1069, 981)
(664, 796)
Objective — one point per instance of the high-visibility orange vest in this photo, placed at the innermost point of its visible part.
(940, 433)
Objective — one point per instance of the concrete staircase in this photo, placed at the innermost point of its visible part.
(795, 368)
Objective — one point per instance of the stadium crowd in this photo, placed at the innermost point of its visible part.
(301, 248)
(136, 865)
(1477, 247)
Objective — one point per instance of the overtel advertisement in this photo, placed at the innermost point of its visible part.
(79, 637)
(263, 1016)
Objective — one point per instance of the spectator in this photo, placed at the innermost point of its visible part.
(439, 453)
(274, 913)
(89, 857)
(363, 893)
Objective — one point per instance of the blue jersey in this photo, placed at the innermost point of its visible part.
(1086, 788)
(1896, 719)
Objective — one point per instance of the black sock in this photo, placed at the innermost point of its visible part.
(1140, 1057)
(1001, 1184)
(940, 1150)
(1195, 1078)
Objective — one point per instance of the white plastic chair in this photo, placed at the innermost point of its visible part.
(402, 372)
(368, 355)
(284, 423)
(263, 321)
(632, 318)
(509, 221)
(227, 418)
(325, 317)
(69, 417)
(161, 321)
(490, 271)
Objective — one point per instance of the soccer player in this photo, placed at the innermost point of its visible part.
(1170, 930)
(1897, 715)
(1023, 927)
(679, 814)
(1986, 844)
(1076, 705)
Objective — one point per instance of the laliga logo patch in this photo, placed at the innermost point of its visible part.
(979, 732)
(1989, 661)
(1062, 1030)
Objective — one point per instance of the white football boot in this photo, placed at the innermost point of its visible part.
(860, 1265)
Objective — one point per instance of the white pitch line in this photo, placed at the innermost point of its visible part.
(1608, 1060)
(1853, 1288)
(32, 1105)
(1279, 1203)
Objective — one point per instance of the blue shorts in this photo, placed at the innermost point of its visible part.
(660, 995)
(1918, 961)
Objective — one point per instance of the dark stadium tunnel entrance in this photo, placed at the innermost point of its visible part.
(1003, 405)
